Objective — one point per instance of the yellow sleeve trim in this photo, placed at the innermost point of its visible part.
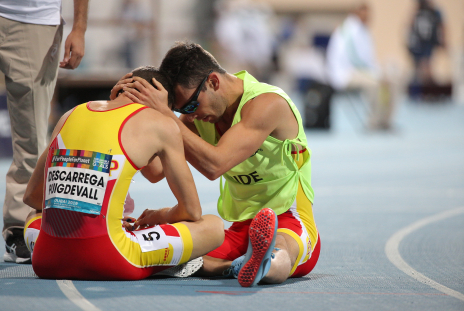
(297, 238)
(186, 240)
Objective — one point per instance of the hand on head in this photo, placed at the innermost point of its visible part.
(127, 78)
(141, 91)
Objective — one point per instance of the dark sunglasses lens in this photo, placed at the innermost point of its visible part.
(190, 108)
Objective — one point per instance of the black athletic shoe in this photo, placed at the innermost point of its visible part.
(16, 249)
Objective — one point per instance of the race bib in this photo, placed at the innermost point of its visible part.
(151, 239)
(77, 180)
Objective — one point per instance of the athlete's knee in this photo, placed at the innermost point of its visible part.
(289, 246)
(215, 228)
(280, 269)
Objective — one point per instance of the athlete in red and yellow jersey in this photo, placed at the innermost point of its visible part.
(81, 183)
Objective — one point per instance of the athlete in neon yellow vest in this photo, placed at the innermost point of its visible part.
(251, 134)
(80, 185)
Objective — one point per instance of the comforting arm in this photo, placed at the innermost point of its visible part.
(260, 117)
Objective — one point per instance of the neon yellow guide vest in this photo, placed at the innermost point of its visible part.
(269, 178)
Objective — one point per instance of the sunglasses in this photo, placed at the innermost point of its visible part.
(193, 104)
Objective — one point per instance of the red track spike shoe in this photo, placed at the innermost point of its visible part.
(262, 236)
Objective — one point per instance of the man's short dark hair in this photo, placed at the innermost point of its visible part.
(149, 72)
(187, 64)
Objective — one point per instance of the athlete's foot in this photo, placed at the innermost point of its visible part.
(234, 268)
(262, 236)
(184, 270)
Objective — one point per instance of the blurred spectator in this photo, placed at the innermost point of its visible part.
(426, 33)
(351, 65)
(302, 58)
(244, 36)
(133, 19)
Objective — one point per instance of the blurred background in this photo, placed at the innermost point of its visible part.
(284, 43)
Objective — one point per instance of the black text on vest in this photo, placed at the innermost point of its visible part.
(246, 179)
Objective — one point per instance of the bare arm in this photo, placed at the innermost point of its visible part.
(190, 125)
(153, 172)
(261, 117)
(35, 188)
(179, 178)
(75, 42)
(127, 78)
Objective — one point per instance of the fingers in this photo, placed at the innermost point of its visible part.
(138, 91)
(64, 63)
(127, 226)
(67, 52)
(134, 95)
(142, 81)
(143, 86)
(140, 224)
(72, 62)
(127, 78)
(77, 52)
(145, 220)
(143, 214)
(158, 85)
(75, 60)
(124, 80)
(115, 90)
(74, 51)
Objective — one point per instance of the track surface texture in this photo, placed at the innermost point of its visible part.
(388, 206)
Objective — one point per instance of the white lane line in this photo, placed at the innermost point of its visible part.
(70, 291)
(393, 254)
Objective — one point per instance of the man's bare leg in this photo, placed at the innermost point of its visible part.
(207, 234)
(286, 253)
(214, 266)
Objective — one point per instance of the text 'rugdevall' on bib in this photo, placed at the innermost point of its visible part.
(77, 180)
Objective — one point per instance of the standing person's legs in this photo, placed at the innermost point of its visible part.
(375, 93)
(29, 58)
(391, 90)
